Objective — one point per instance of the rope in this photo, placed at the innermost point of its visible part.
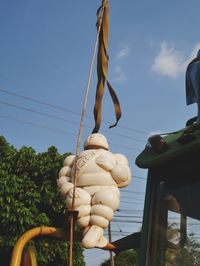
(99, 23)
(112, 262)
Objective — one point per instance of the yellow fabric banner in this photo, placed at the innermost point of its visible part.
(102, 68)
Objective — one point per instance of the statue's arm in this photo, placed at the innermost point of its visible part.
(64, 181)
(121, 172)
(106, 161)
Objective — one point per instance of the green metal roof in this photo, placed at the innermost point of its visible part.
(180, 143)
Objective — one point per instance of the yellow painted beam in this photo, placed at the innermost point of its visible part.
(29, 257)
(41, 231)
(32, 255)
(37, 231)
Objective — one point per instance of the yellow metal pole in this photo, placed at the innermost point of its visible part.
(37, 231)
(29, 257)
(32, 255)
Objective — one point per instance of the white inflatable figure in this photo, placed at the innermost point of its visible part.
(99, 175)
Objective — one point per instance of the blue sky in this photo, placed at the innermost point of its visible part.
(45, 52)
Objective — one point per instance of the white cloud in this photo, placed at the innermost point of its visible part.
(157, 132)
(171, 62)
(119, 75)
(168, 61)
(123, 52)
(193, 54)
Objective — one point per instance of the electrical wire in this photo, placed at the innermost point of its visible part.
(128, 216)
(57, 130)
(65, 110)
(38, 125)
(133, 192)
(133, 222)
(65, 120)
(131, 198)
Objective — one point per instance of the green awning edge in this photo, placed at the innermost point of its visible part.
(176, 148)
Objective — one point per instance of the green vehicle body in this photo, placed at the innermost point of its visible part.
(172, 199)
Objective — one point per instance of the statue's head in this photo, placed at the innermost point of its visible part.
(198, 53)
(96, 141)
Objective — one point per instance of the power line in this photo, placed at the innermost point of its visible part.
(37, 125)
(56, 130)
(132, 198)
(39, 113)
(122, 146)
(125, 211)
(139, 177)
(126, 221)
(64, 109)
(128, 211)
(63, 119)
(133, 192)
(136, 196)
(134, 201)
(128, 216)
(131, 210)
(115, 231)
(118, 226)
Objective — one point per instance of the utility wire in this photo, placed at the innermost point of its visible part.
(139, 177)
(118, 227)
(65, 110)
(132, 198)
(38, 125)
(127, 221)
(135, 210)
(133, 192)
(57, 130)
(128, 211)
(115, 231)
(128, 216)
(65, 120)
(39, 113)
(134, 202)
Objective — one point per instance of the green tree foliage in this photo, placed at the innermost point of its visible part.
(185, 254)
(124, 258)
(190, 253)
(29, 198)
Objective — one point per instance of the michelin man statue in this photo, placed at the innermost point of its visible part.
(99, 175)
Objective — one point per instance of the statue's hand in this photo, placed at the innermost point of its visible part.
(79, 193)
(121, 174)
(81, 197)
(64, 184)
(105, 161)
